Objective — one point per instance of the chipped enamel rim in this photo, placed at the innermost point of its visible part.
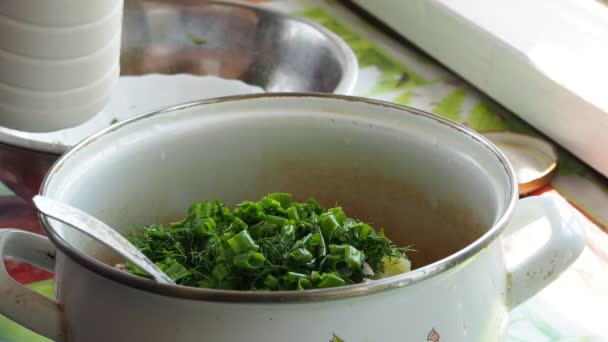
(194, 293)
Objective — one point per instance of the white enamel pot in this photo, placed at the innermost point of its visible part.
(426, 180)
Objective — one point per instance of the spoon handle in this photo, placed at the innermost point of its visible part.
(100, 232)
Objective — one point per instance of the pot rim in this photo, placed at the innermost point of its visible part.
(214, 295)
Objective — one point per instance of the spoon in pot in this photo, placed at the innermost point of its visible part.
(100, 232)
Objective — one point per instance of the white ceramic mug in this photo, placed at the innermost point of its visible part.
(428, 181)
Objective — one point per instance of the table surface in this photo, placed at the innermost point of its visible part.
(571, 309)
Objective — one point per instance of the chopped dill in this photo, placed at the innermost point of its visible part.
(272, 244)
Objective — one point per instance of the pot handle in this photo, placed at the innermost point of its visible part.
(565, 243)
(19, 303)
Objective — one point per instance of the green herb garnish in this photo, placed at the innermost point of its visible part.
(196, 40)
(114, 120)
(272, 244)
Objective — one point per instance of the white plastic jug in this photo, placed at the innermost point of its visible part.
(59, 61)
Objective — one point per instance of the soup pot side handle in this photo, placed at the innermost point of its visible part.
(19, 303)
(565, 243)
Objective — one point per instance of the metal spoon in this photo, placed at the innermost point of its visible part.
(100, 232)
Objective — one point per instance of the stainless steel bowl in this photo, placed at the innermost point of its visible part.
(272, 50)
(277, 52)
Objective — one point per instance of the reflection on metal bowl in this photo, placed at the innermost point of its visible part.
(274, 51)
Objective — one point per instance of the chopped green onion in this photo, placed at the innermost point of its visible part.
(292, 213)
(288, 230)
(204, 226)
(303, 284)
(276, 220)
(322, 249)
(338, 214)
(314, 206)
(229, 283)
(333, 262)
(176, 271)
(266, 245)
(220, 271)
(283, 198)
(271, 281)
(338, 250)
(242, 242)
(293, 280)
(270, 204)
(201, 209)
(267, 229)
(238, 225)
(328, 224)
(350, 255)
(362, 230)
(353, 257)
(300, 256)
(250, 212)
(294, 276)
(302, 241)
(313, 240)
(227, 236)
(208, 283)
(329, 280)
(135, 269)
(178, 224)
(250, 260)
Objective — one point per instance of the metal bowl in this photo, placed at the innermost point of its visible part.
(277, 52)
